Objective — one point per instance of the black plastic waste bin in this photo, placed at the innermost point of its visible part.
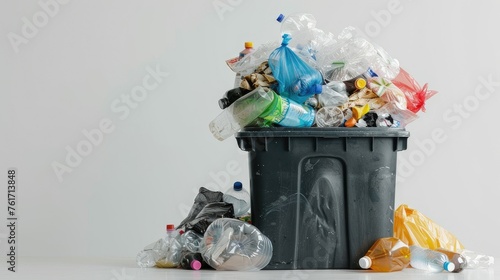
(322, 195)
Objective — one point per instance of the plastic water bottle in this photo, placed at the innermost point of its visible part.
(157, 250)
(386, 254)
(193, 261)
(172, 249)
(241, 113)
(191, 241)
(286, 112)
(429, 260)
(239, 197)
(150, 254)
(458, 260)
(476, 260)
(248, 49)
(231, 244)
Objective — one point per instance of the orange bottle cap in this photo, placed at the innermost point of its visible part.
(248, 45)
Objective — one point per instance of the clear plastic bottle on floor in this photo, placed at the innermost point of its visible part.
(241, 113)
(172, 250)
(150, 254)
(429, 260)
(239, 197)
(386, 254)
(458, 260)
(231, 244)
(476, 260)
(155, 251)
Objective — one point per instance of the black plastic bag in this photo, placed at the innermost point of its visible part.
(204, 197)
(208, 214)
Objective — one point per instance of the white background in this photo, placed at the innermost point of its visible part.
(64, 77)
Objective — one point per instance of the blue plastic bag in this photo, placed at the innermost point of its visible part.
(297, 80)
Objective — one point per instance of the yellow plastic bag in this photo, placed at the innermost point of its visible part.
(413, 228)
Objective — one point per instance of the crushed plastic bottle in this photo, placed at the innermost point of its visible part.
(191, 241)
(150, 254)
(172, 249)
(386, 254)
(458, 260)
(429, 260)
(331, 97)
(231, 244)
(239, 197)
(156, 250)
(476, 260)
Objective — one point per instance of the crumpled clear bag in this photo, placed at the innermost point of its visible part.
(414, 228)
(352, 55)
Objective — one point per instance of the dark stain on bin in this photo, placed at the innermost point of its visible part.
(322, 196)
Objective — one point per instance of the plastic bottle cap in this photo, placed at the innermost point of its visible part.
(365, 262)
(318, 88)
(196, 265)
(280, 18)
(449, 266)
(170, 227)
(360, 83)
(237, 186)
(248, 45)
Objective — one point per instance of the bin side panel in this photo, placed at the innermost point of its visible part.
(321, 237)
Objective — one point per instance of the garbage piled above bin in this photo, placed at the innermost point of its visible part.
(315, 79)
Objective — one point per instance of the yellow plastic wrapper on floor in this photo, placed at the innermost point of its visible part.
(414, 228)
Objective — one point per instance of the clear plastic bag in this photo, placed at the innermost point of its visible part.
(414, 93)
(414, 228)
(297, 80)
(308, 39)
(352, 55)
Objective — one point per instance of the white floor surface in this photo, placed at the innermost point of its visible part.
(126, 269)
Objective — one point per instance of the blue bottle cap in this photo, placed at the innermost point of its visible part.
(280, 18)
(372, 73)
(237, 186)
(318, 88)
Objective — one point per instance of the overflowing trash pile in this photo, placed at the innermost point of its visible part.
(315, 79)
(309, 79)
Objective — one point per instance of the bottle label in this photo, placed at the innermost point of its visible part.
(298, 115)
(290, 113)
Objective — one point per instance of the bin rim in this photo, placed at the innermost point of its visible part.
(325, 132)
